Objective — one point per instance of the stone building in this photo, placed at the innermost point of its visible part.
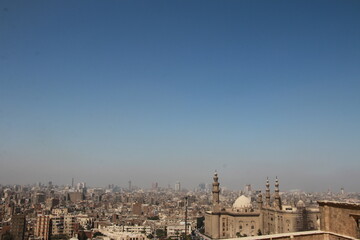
(269, 217)
(339, 221)
(282, 219)
(341, 218)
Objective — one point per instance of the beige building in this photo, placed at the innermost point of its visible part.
(341, 218)
(339, 221)
(60, 211)
(42, 228)
(269, 217)
(54, 225)
(75, 196)
(117, 233)
(176, 231)
(62, 225)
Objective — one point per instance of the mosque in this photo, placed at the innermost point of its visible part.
(269, 217)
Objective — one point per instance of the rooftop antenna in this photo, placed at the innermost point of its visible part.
(186, 206)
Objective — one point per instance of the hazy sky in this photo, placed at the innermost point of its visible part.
(166, 91)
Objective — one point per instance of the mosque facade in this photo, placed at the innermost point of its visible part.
(266, 217)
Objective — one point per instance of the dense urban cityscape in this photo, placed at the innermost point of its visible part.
(77, 211)
(179, 120)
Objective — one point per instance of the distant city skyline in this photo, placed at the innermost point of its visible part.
(190, 187)
(167, 91)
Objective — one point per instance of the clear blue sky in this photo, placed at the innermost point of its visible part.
(161, 91)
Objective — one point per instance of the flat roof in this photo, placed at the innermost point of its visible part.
(340, 204)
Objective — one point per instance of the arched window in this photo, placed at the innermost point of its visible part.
(311, 225)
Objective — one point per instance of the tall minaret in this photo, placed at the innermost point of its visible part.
(277, 195)
(267, 194)
(260, 201)
(215, 193)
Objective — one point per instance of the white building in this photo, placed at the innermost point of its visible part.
(117, 233)
(177, 230)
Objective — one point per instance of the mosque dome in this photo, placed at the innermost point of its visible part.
(300, 204)
(242, 202)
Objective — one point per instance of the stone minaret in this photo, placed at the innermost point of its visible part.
(267, 194)
(260, 201)
(215, 193)
(277, 195)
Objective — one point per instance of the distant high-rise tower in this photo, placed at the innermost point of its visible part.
(202, 186)
(247, 189)
(130, 185)
(178, 187)
(72, 183)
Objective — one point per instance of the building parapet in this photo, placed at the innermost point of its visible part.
(347, 205)
(309, 235)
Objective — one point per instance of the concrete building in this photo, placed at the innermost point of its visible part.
(18, 226)
(42, 229)
(62, 225)
(176, 231)
(60, 211)
(75, 196)
(57, 225)
(137, 229)
(136, 208)
(52, 202)
(124, 236)
(39, 198)
(69, 225)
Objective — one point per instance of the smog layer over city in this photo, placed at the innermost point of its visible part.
(201, 120)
